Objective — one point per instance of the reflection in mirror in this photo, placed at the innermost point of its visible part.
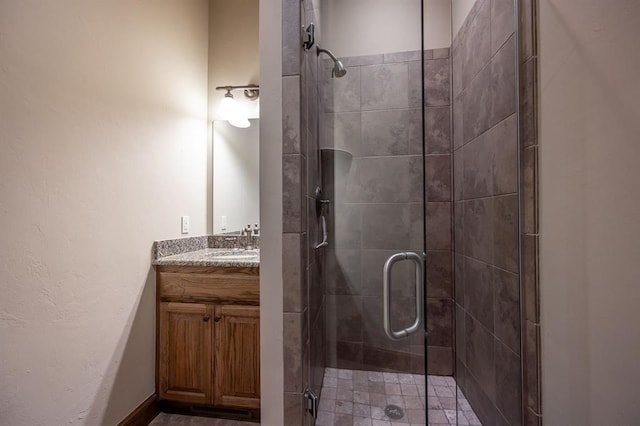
(236, 200)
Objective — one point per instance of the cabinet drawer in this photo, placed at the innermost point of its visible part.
(227, 285)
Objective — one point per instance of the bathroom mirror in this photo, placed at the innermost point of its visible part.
(236, 196)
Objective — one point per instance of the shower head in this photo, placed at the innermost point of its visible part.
(338, 68)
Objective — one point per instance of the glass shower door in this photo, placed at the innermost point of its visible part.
(415, 106)
(385, 283)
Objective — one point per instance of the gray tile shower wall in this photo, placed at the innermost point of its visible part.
(304, 295)
(295, 263)
(371, 143)
(485, 164)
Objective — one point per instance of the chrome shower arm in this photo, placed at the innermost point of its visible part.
(320, 50)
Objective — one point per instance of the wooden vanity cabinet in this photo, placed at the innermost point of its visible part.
(237, 356)
(185, 352)
(208, 336)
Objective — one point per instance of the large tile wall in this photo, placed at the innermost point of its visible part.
(303, 302)
(487, 299)
(371, 141)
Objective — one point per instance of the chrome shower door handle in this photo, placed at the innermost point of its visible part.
(386, 293)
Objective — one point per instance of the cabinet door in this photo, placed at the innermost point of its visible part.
(237, 364)
(185, 352)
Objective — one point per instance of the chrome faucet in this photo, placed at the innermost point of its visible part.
(248, 238)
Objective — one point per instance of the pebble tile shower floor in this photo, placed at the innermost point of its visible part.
(353, 397)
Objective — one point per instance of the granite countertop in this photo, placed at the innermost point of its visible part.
(206, 251)
(228, 258)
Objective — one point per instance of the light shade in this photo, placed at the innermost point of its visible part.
(231, 111)
(240, 121)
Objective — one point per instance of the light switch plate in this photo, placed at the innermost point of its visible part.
(185, 224)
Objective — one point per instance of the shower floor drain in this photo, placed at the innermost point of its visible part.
(393, 412)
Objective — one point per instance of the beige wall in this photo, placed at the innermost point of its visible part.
(271, 352)
(366, 27)
(103, 111)
(234, 58)
(590, 211)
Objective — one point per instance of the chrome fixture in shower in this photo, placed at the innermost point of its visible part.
(338, 69)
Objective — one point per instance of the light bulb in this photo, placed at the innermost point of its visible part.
(228, 108)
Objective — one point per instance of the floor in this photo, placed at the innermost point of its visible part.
(166, 419)
(352, 397)
(357, 398)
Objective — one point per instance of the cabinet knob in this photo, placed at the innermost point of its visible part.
(206, 318)
(216, 319)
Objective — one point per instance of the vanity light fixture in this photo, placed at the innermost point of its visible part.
(231, 110)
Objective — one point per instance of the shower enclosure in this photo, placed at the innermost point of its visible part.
(409, 167)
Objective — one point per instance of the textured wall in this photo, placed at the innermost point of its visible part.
(103, 111)
(486, 213)
(589, 211)
(374, 114)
